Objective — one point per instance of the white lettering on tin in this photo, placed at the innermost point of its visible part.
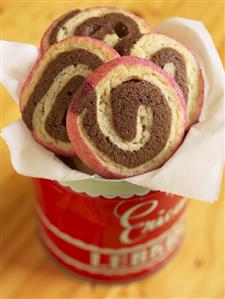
(133, 221)
(151, 252)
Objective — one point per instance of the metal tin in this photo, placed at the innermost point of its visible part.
(109, 240)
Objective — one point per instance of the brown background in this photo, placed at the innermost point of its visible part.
(198, 269)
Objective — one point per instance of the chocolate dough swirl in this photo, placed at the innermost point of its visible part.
(53, 35)
(125, 100)
(55, 122)
(169, 55)
(113, 23)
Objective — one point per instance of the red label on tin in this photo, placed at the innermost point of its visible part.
(109, 239)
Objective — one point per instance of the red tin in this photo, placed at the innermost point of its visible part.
(109, 240)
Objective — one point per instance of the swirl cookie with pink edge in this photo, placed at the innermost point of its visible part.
(118, 28)
(179, 62)
(51, 84)
(127, 118)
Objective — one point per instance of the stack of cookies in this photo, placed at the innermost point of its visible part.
(110, 96)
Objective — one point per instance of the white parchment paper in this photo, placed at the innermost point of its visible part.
(195, 170)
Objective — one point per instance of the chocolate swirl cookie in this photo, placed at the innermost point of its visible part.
(51, 84)
(179, 62)
(118, 28)
(127, 118)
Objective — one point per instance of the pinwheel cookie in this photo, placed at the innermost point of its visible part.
(51, 84)
(118, 28)
(127, 118)
(177, 60)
